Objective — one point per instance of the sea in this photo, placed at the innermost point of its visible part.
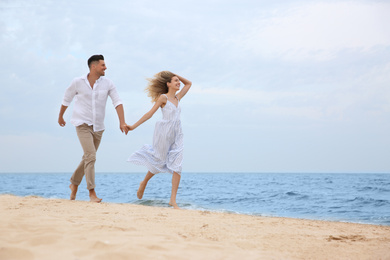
(357, 198)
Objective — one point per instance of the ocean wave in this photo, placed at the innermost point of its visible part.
(370, 201)
(342, 197)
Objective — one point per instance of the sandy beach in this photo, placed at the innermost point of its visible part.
(40, 228)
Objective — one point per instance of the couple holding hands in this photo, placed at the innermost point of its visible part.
(91, 93)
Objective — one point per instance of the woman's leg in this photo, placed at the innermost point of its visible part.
(142, 185)
(175, 187)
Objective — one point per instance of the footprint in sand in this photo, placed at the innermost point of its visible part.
(347, 238)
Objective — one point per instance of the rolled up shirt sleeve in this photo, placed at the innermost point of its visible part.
(70, 92)
(113, 93)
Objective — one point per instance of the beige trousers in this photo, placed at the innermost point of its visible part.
(89, 141)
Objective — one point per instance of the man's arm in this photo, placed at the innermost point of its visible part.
(61, 120)
(70, 92)
(121, 116)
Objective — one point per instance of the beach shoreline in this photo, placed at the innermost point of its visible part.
(40, 228)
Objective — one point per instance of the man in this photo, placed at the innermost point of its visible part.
(91, 92)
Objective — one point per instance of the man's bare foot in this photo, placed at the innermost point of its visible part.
(174, 205)
(73, 189)
(141, 189)
(93, 197)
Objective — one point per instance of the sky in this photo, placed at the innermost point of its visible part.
(278, 86)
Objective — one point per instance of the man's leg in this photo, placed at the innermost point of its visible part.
(90, 168)
(77, 177)
(87, 165)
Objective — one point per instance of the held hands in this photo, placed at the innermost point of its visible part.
(125, 128)
(130, 128)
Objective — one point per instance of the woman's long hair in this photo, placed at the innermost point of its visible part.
(158, 84)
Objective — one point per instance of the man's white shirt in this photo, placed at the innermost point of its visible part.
(90, 103)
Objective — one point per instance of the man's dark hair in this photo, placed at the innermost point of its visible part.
(94, 58)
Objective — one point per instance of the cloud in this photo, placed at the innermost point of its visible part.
(364, 96)
(265, 77)
(318, 30)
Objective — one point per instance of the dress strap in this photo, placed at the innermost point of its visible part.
(178, 100)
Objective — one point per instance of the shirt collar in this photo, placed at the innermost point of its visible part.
(85, 77)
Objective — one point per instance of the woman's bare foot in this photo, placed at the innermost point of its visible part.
(174, 205)
(141, 189)
(73, 193)
(93, 197)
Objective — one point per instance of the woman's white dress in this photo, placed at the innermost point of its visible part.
(166, 153)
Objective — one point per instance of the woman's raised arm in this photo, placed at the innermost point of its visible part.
(184, 90)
